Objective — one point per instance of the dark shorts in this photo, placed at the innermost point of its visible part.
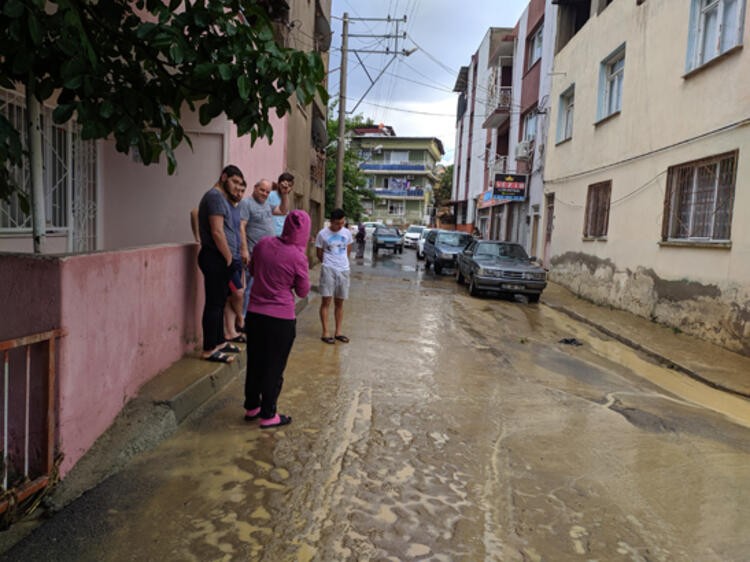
(235, 276)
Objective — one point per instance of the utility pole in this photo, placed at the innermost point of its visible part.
(341, 148)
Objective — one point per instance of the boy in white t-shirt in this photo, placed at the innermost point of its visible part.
(333, 246)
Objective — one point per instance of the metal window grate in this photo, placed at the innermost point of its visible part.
(699, 200)
(69, 176)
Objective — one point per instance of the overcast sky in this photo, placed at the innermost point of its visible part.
(415, 94)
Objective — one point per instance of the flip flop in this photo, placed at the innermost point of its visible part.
(328, 340)
(239, 339)
(230, 348)
(219, 357)
(276, 421)
(253, 414)
(342, 338)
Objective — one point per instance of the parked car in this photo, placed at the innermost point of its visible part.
(370, 228)
(387, 238)
(411, 236)
(420, 243)
(500, 267)
(441, 247)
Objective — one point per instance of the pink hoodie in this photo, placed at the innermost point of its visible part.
(278, 266)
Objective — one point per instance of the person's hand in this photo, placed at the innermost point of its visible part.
(284, 188)
(245, 256)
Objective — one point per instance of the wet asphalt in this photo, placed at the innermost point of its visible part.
(449, 428)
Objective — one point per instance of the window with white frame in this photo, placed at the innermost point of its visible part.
(596, 221)
(529, 125)
(396, 208)
(611, 75)
(715, 27)
(565, 114)
(535, 46)
(399, 157)
(699, 199)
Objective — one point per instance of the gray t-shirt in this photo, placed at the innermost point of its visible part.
(214, 203)
(259, 220)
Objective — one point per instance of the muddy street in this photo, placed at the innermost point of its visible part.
(449, 428)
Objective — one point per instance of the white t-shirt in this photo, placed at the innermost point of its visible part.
(334, 246)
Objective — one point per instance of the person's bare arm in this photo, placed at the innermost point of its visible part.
(194, 225)
(244, 251)
(319, 253)
(216, 223)
(283, 207)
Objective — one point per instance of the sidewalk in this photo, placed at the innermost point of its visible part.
(700, 360)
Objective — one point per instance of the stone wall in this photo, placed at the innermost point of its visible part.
(715, 312)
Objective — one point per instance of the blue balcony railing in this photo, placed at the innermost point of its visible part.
(399, 192)
(395, 167)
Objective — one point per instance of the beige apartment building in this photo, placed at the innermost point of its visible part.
(647, 176)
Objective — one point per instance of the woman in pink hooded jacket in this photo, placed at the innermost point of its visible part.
(279, 269)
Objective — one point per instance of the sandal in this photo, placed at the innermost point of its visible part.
(230, 348)
(253, 414)
(276, 421)
(328, 339)
(342, 339)
(239, 339)
(219, 357)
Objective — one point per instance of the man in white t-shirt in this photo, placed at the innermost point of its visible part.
(333, 245)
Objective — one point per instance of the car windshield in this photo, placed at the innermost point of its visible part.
(510, 251)
(456, 239)
(415, 229)
(386, 232)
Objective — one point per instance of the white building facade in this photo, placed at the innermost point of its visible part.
(647, 164)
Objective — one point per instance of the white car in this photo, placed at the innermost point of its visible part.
(420, 242)
(411, 236)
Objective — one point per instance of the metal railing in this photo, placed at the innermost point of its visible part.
(28, 454)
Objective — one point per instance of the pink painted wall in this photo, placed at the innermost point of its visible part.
(263, 160)
(128, 316)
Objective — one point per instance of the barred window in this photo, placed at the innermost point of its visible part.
(596, 221)
(69, 178)
(699, 199)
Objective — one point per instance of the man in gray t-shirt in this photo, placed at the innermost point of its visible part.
(256, 221)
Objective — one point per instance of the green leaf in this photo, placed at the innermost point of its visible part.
(145, 29)
(243, 86)
(225, 71)
(176, 53)
(107, 109)
(62, 113)
(13, 8)
(73, 83)
(204, 70)
(34, 31)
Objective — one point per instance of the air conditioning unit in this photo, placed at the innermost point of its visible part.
(523, 150)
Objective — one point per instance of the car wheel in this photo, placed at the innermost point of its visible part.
(534, 298)
(473, 291)
(427, 264)
(459, 276)
(438, 268)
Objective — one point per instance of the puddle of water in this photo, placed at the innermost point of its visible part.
(733, 407)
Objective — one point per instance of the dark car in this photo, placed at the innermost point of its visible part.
(387, 238)
(501, 267)
(441, 247)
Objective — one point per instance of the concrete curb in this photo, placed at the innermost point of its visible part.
(669, 363)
